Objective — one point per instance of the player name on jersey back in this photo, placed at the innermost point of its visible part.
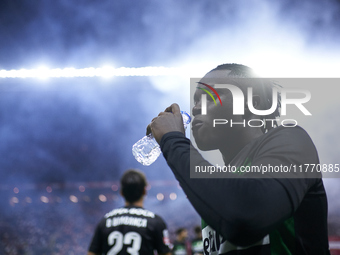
(132, 211)
(126, 220)
(124, 216)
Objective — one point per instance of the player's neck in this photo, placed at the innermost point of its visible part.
(138, 203)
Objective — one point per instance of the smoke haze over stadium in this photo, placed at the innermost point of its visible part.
(79, 130)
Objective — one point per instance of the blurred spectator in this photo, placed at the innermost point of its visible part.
(197, 242)
(181, 245)
(65, 228)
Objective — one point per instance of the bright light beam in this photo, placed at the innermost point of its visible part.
(90, 72)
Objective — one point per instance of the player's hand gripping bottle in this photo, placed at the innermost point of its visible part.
(147, 150)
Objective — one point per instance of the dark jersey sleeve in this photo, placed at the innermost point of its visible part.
(95, 245)
(161, 236)
(242, 210)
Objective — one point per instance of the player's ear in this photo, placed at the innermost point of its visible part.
(256, 103)
(144, 191)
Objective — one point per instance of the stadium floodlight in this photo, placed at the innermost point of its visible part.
(160, 196)
(73, 199)
(102, 198)
(173, 196)
(44, 199)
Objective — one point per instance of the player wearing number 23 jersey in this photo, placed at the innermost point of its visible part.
(131, 229)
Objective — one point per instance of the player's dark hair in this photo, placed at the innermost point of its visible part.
(180, 230)
(261, 87)
(133, 183)
(197, 230)
(237, 70)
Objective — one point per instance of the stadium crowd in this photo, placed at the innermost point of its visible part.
(65, 227)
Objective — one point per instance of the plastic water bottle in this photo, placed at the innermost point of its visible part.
(147, 150)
